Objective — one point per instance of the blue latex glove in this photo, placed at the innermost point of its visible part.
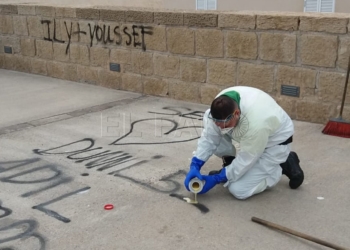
(212, 180)
(195, 167)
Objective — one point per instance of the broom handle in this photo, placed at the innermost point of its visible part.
(345, 87)
(301, 235)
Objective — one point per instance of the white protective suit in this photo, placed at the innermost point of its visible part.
(263, 125)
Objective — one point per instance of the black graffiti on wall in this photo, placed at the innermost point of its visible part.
(135, 36)
(27, 228)
(103, 33)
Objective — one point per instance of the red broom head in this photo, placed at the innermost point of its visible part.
(337, 127)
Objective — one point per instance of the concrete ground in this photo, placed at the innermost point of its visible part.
(68, 149)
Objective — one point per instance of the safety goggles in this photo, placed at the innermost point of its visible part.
(220, 121)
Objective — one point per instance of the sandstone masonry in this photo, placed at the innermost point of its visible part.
(185, 55)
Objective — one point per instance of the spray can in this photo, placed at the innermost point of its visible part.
(196, 185)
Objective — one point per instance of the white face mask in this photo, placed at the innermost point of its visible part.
(226, 130)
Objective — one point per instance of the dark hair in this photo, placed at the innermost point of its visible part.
(222, 107)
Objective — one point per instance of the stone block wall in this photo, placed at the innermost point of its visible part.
(187, 56)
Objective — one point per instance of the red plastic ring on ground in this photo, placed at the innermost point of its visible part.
(109, 207)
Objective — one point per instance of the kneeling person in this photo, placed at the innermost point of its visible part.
(264, 132)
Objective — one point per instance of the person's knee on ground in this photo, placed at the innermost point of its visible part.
(242, 192)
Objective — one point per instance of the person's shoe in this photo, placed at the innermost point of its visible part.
(226, 160)
(293, 171)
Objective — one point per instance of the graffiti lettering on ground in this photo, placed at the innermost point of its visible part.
(94, 157)
(12, 230)
(176, 127)
(30, 174)
(41, 176)
(117, 162)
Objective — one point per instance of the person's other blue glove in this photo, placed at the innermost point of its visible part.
(212, 180)
(195, 167)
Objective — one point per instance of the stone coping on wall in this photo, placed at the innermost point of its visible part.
(185, 55)
(255, 20)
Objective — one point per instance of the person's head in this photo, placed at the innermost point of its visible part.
(225, 112)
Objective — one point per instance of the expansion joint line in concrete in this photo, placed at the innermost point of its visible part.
(68, 115)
